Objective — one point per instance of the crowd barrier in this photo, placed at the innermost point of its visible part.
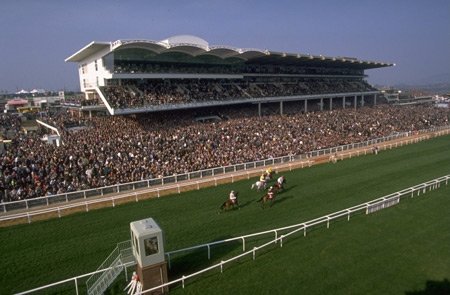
(108, 192)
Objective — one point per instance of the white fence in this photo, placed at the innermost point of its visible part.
(383, 202)
(178, 186)
(280, 234)
(155, 182)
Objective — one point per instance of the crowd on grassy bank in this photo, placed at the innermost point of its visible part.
(119, 149)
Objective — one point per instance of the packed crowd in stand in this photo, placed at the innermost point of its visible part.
(119, 149)
(77, 101)
(144, 93)
(140, 67)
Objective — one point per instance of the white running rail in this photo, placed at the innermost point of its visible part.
(280, 234)
(213, 172)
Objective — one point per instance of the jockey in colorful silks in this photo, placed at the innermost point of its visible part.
(233, 197)
(280, 181)
(271, 193)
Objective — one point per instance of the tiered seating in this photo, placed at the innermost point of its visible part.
(158, 92)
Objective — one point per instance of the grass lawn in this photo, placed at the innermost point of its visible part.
(393, 251)
(52, 250)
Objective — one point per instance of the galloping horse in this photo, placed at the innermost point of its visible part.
(280, 182)
(270, 196)
(259, 185)
(229, 204)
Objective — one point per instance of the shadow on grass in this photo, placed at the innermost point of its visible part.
(287, 189)
(246, 204)
(433, 288)
(196, 260)
(282, 199)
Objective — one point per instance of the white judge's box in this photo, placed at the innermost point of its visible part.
(148, 249)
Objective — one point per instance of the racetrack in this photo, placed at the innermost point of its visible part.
(60, 248)
(59, 210)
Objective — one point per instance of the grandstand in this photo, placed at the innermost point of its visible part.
(134, 76)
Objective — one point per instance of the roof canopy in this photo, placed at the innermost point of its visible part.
(195, 46)
(17, 101)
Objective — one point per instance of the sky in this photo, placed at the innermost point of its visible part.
(37, 35)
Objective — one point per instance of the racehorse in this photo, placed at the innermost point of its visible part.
(229, 204)
(280, 182)
(268, 175)
(259, 185)
(267, 198)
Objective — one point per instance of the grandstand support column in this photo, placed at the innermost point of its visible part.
(331, 103)
(259, 109)
(281, 107)
(343, 102)
(375, 99)
(321, 104)
(306, 105)
(354, 101)
(362, 100)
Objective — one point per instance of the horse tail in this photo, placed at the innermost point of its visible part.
(253, 186)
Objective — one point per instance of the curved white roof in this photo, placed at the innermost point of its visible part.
(183, 40)
(196, 46)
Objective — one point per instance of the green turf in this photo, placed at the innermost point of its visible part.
(44, 252)
(392, 251)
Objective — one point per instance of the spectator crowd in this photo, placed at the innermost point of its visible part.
(119, 149)
(143, 93)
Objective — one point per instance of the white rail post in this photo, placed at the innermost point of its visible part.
(221, 266)
(328, 222)
(76, 286)
(209, 252)
(182, 281)
(254, 252)
(281, 241)
(243, 244)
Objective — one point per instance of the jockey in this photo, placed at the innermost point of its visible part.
(271, 192)
(262, 178)
(233, 197)
(280, 181)
(269, 171)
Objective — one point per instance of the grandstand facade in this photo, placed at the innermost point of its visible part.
(134, 76)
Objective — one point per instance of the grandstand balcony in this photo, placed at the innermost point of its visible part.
(131, 96)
